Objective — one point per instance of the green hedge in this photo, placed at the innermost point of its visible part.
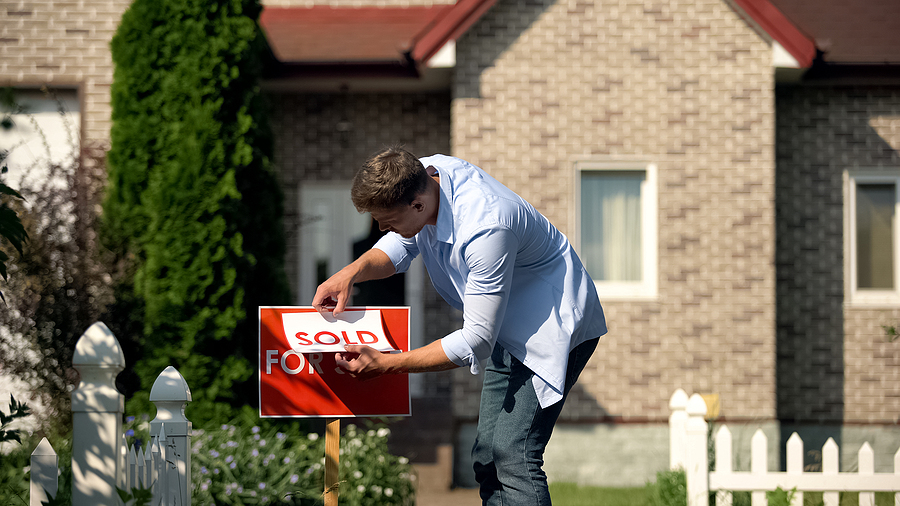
(192, 201)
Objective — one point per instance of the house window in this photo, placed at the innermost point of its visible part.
(871, 205)
(616, 219)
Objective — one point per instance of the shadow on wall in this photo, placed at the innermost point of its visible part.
(503, 24)
(820, 132)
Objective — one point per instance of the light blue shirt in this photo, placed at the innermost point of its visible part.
(513, 274)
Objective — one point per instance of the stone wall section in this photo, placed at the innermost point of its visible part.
(63, 44)
(836, 363)
(688, 86)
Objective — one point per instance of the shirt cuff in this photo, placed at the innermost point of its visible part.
(459, 352)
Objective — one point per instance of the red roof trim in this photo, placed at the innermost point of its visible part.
(776, 24)
(447, 27)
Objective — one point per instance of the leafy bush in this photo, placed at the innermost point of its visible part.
(15, 465)
(61, 283)
(192, 196)
(242, 464)
(670, 488)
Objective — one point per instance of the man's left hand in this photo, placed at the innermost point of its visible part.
(362, 362)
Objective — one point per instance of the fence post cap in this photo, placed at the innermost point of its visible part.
(170, 386)
(44, 448)
(98, 347)
(696, 405)
(679, 400)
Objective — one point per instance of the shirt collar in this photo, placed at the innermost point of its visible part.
(444, 228)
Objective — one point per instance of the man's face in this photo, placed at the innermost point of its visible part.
(406, 220)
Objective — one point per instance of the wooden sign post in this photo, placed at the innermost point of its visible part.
(332, 461)
(298, 376)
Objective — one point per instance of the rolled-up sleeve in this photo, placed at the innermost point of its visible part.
(490, 257)
(401, 251)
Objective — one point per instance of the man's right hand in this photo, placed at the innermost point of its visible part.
(332, 295)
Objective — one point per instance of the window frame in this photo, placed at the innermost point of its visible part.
(852, 294)
(648, 287)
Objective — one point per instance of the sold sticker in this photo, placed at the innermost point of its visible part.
(323, 332)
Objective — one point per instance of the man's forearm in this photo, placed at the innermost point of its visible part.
(373, 264)
(365, 363)
(428, 358)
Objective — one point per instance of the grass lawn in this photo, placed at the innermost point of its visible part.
(570, 494)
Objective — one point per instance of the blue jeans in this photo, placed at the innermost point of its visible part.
(513, 430)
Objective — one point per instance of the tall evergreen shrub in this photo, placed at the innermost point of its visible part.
(191, 197)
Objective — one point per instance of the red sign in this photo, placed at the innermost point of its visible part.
(295, 384)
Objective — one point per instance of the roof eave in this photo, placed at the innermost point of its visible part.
(781, 29)
(448, 27)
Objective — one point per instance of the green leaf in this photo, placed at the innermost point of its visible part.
(6, 190)
(11, 228)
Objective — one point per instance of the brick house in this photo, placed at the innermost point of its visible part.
(753, 144)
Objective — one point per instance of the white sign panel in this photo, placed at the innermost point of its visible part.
(318, 332)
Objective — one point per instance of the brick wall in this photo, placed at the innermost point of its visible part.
(835, 363)
(686, 85)
(63, 44)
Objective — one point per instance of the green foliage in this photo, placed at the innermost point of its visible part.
(16, 410)
(11, 229)
(670, 488)
(780, 497)
(570, 494)
(61, 284)
(15, 464)
(243, 463)
(12, 464)
(139, 495)
(192, 198)
(891, 331)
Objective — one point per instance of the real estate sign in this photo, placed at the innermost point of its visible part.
(298, 376)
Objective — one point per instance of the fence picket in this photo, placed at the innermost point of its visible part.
(759, 455)
(44, 473)
(795, 463)
(724, 464)
(131, 478)
(897, 474)
(866, 468)
(159, 468)
(830, 464)
(149, 476)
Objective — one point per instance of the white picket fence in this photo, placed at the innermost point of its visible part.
(101, 463)
(688, 449)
